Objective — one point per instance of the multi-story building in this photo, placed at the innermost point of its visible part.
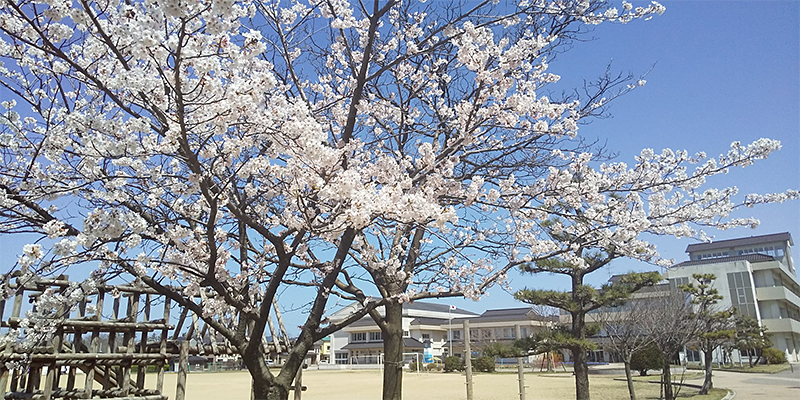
(503, 325)
(432, 330)
(757, 276)
(361, 342)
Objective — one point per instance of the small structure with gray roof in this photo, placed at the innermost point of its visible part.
(433, 325)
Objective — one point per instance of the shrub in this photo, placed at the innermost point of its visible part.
(483, 364)
(453, 363)
(646, 359)
(434, 367)
(774, 356)
(413, 367)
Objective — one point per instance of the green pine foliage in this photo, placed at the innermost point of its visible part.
(774, 356)
(646, 359)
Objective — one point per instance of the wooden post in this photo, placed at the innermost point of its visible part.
(162, 347)
(520, 368)
(130, 335)
(142, 368)
(179, 326)
(183, 369)
(468, 359)
(298, 384)
(94, 347)
(112, 347)
(275, 338)
(284, 334)
(51, 381)
(9, 348)
(77, 340)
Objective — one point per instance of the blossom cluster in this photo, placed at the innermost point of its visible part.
(191, 142)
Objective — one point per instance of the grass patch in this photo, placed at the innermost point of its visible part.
(713, 394)
(675, 377)
(757, 369)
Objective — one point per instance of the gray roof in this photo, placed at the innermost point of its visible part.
(428, 321)
(726, 244)
(752, 258)
(422, 306)
(365, 321)
(408, 343)
(507, 314)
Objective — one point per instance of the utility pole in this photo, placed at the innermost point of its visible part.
(520, 369)
(468, 359)
(450, 329)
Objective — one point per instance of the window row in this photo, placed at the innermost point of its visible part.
(775, 251)
(366, 337)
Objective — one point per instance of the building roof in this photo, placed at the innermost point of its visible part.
(408, 343)
(752, 258)
(506, 314)
(726, 244)
(364, 321)
(422, 306)
(428, 321)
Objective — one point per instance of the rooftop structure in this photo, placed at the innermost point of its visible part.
(756, 275)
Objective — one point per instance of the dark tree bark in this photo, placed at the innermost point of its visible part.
(581, 369)
(579, 365)
(628, 378)
(666, 380)
(392, 332)
(707, 383)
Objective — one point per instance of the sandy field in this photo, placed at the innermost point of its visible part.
(355, 385)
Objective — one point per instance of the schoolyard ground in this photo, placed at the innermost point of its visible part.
(356, 385)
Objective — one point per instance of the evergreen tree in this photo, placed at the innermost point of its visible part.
(716, 326)
(581, 300)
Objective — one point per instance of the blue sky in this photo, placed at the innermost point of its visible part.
(721, 71)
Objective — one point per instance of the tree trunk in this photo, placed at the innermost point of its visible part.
(262, 390)
(707, 385)
(666, 380)
(263, 386)
(278, 393)
(581, 369)
(393, 352)
(580, 363)
(629, 378)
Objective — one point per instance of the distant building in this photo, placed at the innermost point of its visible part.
(757, 276)
(428, 329)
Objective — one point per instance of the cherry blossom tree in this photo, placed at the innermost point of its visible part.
(222, 150)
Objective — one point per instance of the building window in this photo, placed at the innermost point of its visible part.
(426, 336)
(406, 334)
(768, 250)
(456, 335)
(676, 283)
(692, 355)
(341, 357)
(375, 336)
(741, 292)
(719, 254)
(358, 337)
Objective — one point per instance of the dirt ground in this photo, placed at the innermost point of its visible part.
(356, 385)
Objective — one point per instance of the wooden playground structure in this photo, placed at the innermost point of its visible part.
(104, 353)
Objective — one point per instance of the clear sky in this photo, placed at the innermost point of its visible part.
(721, 71)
